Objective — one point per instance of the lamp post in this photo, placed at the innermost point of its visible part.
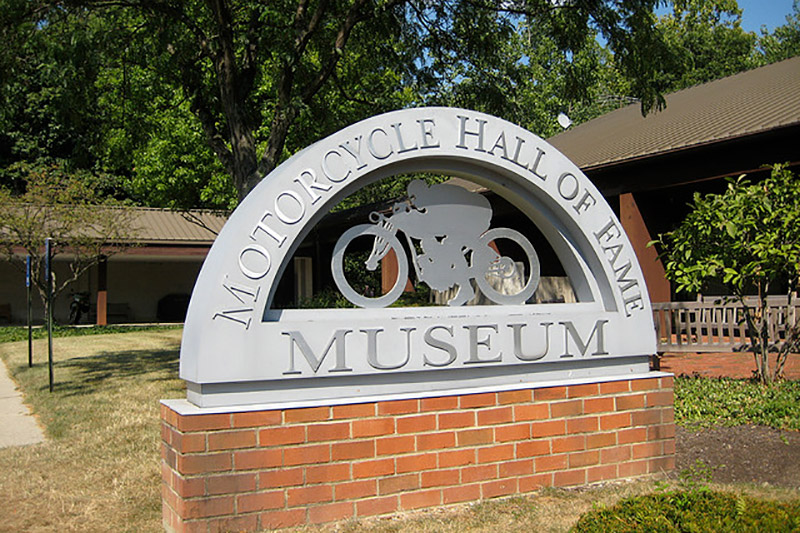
(30, 320)
(49, 281)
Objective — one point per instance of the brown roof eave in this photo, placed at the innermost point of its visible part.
(742, 154)
(185, 244)
(608, 165)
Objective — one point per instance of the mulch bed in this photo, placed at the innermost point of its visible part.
(742, 454)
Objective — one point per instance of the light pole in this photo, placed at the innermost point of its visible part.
(49, 281)
(30, 318)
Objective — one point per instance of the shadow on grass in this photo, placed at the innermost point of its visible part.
(87, 372)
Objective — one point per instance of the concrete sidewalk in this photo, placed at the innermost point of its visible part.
(17, 426)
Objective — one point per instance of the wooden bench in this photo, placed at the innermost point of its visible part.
(716, 324)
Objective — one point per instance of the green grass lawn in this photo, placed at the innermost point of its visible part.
(16, 333)
(705, 402)
(99, 469)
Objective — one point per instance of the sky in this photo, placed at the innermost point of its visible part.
(771, 13)
(755, 13)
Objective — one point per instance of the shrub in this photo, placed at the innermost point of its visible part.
(692, 511)
(748, 239)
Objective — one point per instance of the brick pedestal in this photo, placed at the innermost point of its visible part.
(279, 468)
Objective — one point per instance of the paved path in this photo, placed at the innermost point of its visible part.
(17, 426)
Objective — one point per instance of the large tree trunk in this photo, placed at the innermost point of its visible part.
(279, 129)
(245, 169)
(234, 89)
(235, 78)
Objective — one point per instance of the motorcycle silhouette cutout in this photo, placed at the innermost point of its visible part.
(450, 226)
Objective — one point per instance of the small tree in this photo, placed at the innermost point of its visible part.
(747, 238)
(68, 208)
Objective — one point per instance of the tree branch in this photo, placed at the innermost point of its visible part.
(194, 219)
(201, 108)
(340, 87)
(286, 110)
(354, 16)
(304, 34)
(249, 68)
(155, 7)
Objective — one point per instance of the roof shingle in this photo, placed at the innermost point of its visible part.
(747, 103)
(164, 226)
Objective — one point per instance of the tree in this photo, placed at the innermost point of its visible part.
(174, 168)
(264, 79)
(47, 92)
(784, 41)
(747, 238)
(68, 209)
(708, 40)
(527, 79)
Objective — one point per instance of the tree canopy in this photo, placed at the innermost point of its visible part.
(708, 41)
(190, 103)
(784, 42)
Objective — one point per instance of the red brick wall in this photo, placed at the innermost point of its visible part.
(281, 468)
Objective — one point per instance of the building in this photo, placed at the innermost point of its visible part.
(651, 166)
(150, 282)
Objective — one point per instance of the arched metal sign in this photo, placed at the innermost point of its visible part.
(238, 350)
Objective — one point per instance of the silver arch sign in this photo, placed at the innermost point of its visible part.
(238, 350)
